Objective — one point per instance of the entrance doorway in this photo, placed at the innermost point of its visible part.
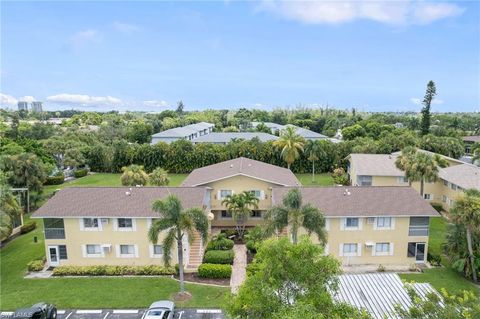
(53, 256)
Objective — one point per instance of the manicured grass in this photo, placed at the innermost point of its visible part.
(86, 292)
(438, 228)
(322, 179)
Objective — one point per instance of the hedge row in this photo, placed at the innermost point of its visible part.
(219, 257)
(214, 271)
(220, 244)
(28, 227)
(55, 180)
(104, 270)
(35, 265)
(80, 173)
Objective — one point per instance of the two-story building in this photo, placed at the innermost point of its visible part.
(109, 225)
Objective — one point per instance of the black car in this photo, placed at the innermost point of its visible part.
(41, 310)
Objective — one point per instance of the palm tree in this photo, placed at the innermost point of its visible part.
(425, 167)
(177, 223)
(466, 212)
(240, 206)
(134, 175)
(297, 215)
(9, 208)
(456, 248)
(291, 145)
(404, 162)
(314, 151)
(159, 177)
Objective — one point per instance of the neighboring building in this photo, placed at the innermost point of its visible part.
(37, 107)
(188, 132)
(303, 132)
(469, 141)
(274, 127)
(22, 106)
(108, 225)
(380, 170)
(225, 138)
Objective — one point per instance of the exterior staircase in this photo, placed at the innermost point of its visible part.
(196, 254)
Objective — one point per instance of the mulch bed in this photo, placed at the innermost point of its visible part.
(193, 277)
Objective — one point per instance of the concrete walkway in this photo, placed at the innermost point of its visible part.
(239, 269)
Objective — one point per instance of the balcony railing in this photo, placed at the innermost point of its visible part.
(418, 231)
(54, 233)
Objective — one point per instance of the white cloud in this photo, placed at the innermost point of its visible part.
(7, 100)
(84, 100)
(337, 11)
(155, 103)
(27, 98)
(126, 28)
(417, 101)
(81, 38)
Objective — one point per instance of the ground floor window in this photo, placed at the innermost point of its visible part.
(382, 249)
(256, 214)
(62, 252)
(350, 249)
(94, 249)
(226, 214)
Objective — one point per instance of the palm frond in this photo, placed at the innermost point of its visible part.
(200, 221)
(168, 243)
(157, 227)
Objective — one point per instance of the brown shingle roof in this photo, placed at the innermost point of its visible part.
(363, 201)
(465, 175)
(473, 138)
(241, 166)
(375, 165)
(113, 201)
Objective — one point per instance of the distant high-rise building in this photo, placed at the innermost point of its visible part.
(37, 107)
(22, 106)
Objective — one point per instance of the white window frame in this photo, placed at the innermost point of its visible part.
(327, 223)
(343, 225)
(402, 180)
(152, 251)
(219, 195)
(453, 186)
(85, 228)
(427, 196)
(358, 251)
(377, 219)
(261, 194)
(389, 252)
(444, 198)
(116, 226)
(118, 250)
(85, 253)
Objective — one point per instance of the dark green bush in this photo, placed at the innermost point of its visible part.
(435, 260)
(214, 271)
(35, 265)
(252, 268)
(219, 257)
(252, 248)
(28, 227)
(80, 173)
(220, 244)
(55, 180)
(104, 270)
(437, 206)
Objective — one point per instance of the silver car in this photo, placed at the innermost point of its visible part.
(163, 309)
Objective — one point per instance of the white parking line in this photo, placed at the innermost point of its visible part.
(88, 311)
(6, 313)
(125, 311)
(209, 311)
(69, 315)
(61, 312)
(106, 315)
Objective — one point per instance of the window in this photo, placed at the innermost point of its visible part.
(370, 220)
(453, 186)
(427, 196)
(445, 183)
(402, 180)
(125, 223)
(382, 249)
(257, 193)
(384, 222)
(364, 180)
(418, 226)
(351, 223)
(226, 214)
(411, 249)
(126, 251)
(451, 202)
(90, 223)
(225, 192)
(62, 252)
(350, 249)
(444, 198)
(157, 249)
(94, 250)
(166, 314)
(256, 214)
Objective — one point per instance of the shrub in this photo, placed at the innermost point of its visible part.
(381, 268)
(55, 180)
(35, 265)
(437, 206)
(220, 244)
(214, 271)
(252, 268)
(230, 232)
(104, 270)
(80, 173)
(434, 260)
(252, 248)
(219, 257)
(28, 227)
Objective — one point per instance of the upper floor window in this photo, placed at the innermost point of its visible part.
(453, 186)
(226, 214)
(444, 198)
(90, 224)
(224, 193)
(351, 223)
(125, 224)
(384, 223)
(418, 226)
(427, 196)
(257, 193)
(364, 180)
(445, 183)
(402, 180)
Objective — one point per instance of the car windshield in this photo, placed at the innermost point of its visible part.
(155, 312)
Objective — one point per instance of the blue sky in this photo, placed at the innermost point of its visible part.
(375, 56)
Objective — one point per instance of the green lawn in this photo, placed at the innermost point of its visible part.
(323, 179)
(86, 292)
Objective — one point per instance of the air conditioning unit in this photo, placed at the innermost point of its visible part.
(107, 247)
(104, 221)
(369, 244)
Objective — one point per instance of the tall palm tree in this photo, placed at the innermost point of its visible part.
(456, 248)
(404, 162)
(297, 215)
(426, 167)
(134, 175)
(240, 206)
(466, 211)
(291, 145)
(314, 151)
(177, 223)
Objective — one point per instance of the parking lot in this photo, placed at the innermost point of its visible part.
(130, 314)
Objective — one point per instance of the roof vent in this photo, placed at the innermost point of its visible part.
(231, 165)
(346, 192)
(128, 193)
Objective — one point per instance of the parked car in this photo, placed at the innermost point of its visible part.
(41, 310)
(163, 309)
